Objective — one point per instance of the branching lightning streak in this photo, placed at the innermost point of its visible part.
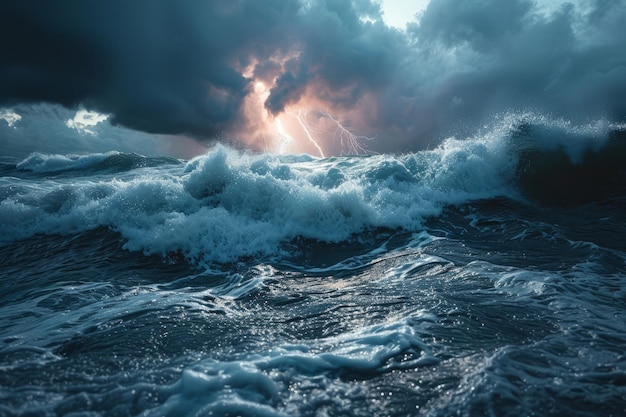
(305, 127)
(350, 142)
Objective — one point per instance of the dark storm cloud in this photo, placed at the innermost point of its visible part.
(171, 66)
(156, 65)
(341, 50)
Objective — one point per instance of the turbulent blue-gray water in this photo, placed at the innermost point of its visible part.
(483, 277)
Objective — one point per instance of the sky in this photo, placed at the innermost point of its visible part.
(326, 77)
(398, 13)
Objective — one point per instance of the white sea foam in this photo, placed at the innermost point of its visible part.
(251, 386)
(225, 205)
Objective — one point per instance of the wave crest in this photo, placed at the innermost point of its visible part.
(227, 205)
(88, 164)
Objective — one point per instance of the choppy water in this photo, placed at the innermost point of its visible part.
(483, 277)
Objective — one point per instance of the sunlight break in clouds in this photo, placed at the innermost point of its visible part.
(398, 13)
(85, 120)
(9, 116)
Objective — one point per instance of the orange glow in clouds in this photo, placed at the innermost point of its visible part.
(300, 128)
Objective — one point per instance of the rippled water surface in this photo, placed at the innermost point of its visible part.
(445, 282)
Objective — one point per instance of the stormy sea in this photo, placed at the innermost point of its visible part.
(484, 276)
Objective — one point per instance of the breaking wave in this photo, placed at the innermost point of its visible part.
(227, 205)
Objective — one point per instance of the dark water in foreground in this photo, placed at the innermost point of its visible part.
(485, 277)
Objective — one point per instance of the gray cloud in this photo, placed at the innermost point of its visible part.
(490, 56)
(157, 65)
(168, 66)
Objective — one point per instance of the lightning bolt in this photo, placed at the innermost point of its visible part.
(306, 129)
(350, 141)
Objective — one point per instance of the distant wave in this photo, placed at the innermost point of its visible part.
(109, 162)
(574, 168)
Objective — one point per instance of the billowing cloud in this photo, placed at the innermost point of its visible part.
(496, 56)
(228, 68)
(159, 66)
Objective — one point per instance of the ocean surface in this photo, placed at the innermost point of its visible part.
(485, 276)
